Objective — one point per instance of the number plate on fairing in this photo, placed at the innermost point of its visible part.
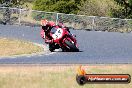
(57, 33)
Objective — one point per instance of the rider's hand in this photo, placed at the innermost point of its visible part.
(52, 41)
(49, 41)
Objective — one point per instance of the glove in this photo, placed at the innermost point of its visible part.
(42, 33)
(49, 41)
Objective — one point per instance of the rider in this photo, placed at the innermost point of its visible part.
(47, 26)
(45, 32)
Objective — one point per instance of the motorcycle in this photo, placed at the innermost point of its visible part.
(63, 39)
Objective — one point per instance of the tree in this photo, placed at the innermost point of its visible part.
(96, 7)
(13, 3)
(126, 7)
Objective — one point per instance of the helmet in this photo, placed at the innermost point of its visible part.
(44, 22)
(47, 25)
(51, 23)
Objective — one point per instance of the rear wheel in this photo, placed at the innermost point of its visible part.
(71, 46)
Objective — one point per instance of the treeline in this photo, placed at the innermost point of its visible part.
(12, 3)
(110, 8)
(62, 6)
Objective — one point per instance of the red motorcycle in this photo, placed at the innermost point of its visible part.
(64, 39)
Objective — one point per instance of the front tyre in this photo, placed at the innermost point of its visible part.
(51, 47)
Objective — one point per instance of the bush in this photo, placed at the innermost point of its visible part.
(97, 7)
(62, 6)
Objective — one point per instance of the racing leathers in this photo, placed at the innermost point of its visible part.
(45, 34)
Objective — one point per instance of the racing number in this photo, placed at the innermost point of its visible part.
(57, 33)
(56, 36)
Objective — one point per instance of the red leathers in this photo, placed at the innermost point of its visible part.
(58, 36)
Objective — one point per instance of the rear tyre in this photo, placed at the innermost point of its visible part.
(65, 49)
(72, 47)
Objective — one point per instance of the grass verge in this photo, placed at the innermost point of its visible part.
(56, 76)
(9, 47)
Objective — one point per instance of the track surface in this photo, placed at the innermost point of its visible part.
(96, 47)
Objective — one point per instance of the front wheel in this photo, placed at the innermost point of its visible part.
(71, 46)
(51, 47)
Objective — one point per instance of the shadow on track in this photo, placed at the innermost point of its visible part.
(58, 50)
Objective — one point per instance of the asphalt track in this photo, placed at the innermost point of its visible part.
(95, 47)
